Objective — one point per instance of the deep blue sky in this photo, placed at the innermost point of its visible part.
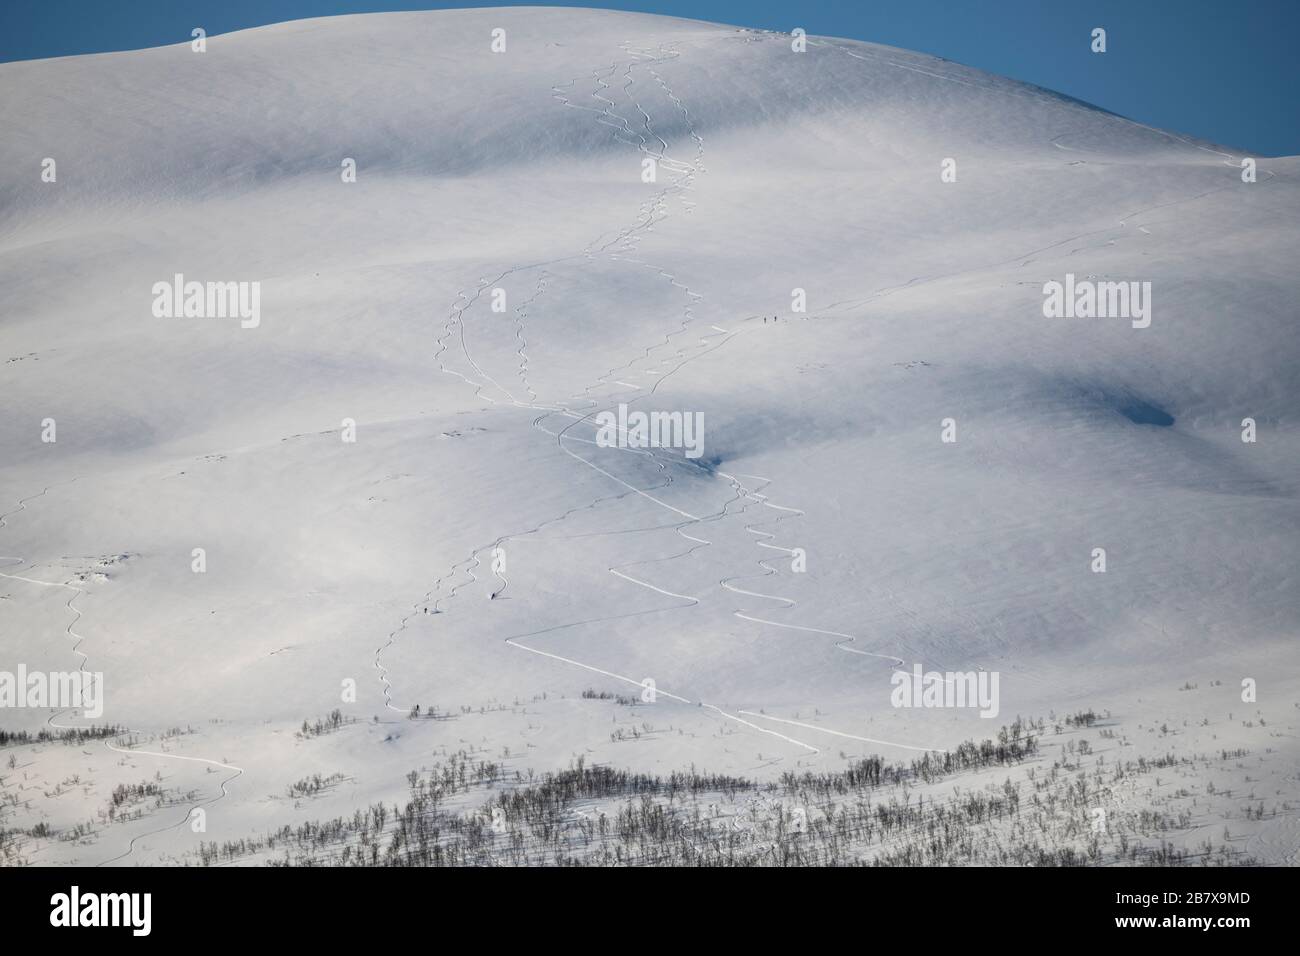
(1224, 70)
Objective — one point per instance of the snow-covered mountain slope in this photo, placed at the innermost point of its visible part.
(475, 487)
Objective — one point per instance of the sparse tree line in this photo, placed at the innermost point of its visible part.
(131, 793)
(70, 736)
(621, 699)
(1082, 718)
(328, 725)
(310, 786)
(873, 812)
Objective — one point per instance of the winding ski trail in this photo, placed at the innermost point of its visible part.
(621, 247)
(110, 744)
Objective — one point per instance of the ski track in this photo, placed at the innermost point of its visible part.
(86, 675)
(621, 248)
(189, 809)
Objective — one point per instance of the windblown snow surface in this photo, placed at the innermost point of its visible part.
(475, 552)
